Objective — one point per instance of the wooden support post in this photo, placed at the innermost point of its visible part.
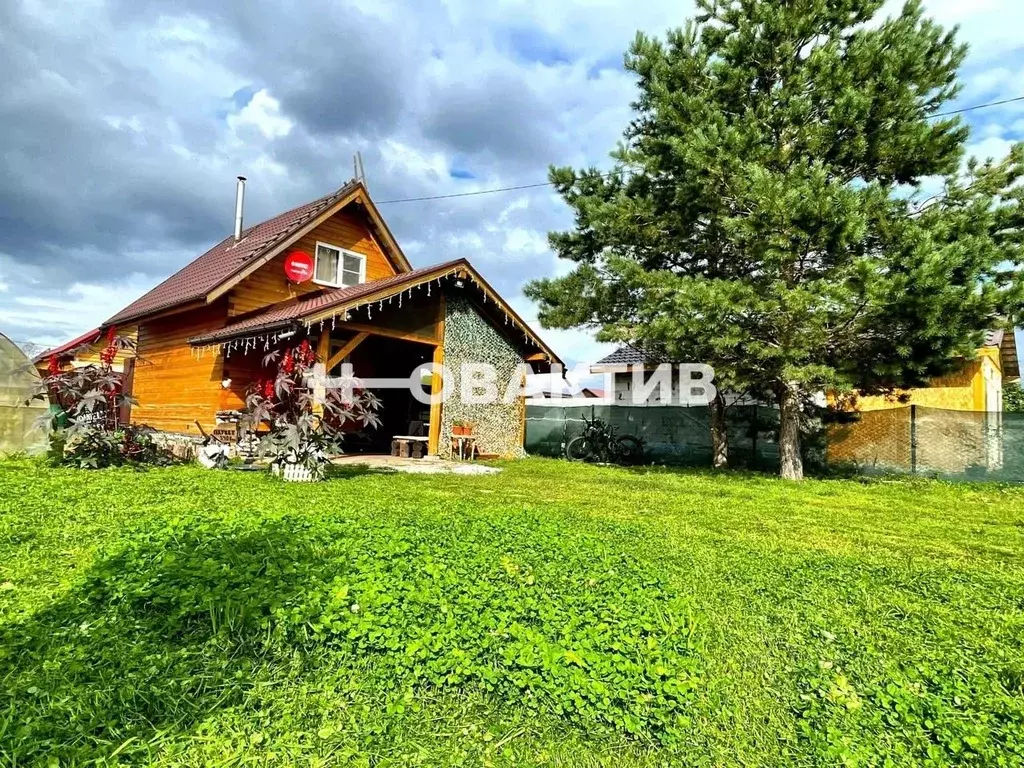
(346, 350)
(323, 349)
(436, 383)
(323, 346)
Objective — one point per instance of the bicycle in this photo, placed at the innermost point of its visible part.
(600, 443)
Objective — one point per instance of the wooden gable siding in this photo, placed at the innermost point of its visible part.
(268, 285)
(90, 355)
(174, 385)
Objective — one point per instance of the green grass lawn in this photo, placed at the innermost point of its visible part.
(553, 614)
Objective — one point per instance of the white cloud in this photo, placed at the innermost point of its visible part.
(56, 317)
(993, 147)
(408, 160)
(155, 113)
(520, 239)
(991, 27)
(263, 112)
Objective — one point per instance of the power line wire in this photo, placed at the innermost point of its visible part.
(551, 183)
(477, 192)
(977, 106)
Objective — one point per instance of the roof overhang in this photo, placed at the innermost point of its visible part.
(347, 303)
(70, 348)
(1005, 340)
(1009, 362)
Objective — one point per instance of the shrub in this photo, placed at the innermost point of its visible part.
(85, 431)
(95, 448)
(305, 429)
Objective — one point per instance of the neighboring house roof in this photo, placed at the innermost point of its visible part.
(216, 268)
(623, 357)
(312, 308)
(1006, 343)
(89, 337)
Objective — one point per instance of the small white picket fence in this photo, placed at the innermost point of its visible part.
(294, 473)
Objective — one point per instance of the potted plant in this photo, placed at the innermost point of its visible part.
(303, 438)
(462, 427)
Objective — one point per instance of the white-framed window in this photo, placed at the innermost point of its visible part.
(337, 267)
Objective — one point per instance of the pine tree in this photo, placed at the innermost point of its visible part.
(764, 214)
(1013, 398)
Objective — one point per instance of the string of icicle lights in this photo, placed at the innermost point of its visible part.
(268, 340)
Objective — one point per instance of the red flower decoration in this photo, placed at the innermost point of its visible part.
(53, 366)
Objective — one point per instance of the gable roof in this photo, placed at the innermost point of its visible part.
(623, 357)
(221, 267)
(89, 337)
(314, 307)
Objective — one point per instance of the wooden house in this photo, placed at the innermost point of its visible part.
(85, 350)
(330, 272)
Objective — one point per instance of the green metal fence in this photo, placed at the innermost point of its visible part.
(911, 439)
(671, 435)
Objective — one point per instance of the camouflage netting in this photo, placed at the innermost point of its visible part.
(468, 338)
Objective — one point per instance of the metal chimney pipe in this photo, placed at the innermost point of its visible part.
(239, 203)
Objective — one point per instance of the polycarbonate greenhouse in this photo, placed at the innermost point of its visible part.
(20, 431)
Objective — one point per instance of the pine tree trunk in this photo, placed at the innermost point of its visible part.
(791, 465)
(719, 434)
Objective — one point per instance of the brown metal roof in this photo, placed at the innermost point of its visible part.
(627, 357)
(197, 279)
(87, 338)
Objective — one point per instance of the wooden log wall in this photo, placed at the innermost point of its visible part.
(269, 285)
(173, 384)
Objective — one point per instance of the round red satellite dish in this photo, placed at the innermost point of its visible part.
(298, 266)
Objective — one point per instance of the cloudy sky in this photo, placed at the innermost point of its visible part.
(123, 124)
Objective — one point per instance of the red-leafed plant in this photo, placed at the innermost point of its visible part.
(303, 431)
(85, 428)
(90, 395)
